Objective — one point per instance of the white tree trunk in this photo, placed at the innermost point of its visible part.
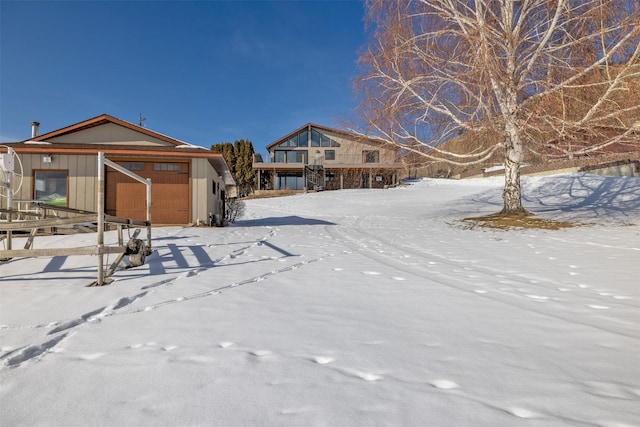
(513, 155)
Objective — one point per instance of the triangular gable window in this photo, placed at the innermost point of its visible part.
(299, 140)
(320, 140)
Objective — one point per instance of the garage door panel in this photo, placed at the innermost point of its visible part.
(169, 195)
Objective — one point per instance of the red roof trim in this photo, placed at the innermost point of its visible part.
(71, 149)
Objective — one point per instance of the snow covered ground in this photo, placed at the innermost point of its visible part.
(343, 308)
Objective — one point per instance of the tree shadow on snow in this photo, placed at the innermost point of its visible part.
(569, 196)
(281, 221)
(594, 197)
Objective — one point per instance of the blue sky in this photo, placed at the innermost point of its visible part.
(203, 72)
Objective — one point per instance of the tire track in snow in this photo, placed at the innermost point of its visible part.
(480, 269)
(341, 234)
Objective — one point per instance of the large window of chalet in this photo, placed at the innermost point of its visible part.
(279, 156)
(320, 140)
(291, 156)
(370, 156)
(298, 156)
(298, 140)
(289, 181)
(329, 154)
(50, 186)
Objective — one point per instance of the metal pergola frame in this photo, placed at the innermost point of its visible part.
(82, 217)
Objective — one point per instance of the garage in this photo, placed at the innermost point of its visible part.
(189, 182)
(170, 191)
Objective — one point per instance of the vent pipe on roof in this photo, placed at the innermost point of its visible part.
(34, 129)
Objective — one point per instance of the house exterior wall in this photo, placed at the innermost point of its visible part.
(207, 196)
(82, 181)
(109, 133)
(355, 162)
(190, 181)
(349, 153)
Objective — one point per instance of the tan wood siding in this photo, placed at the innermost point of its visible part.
(109, 133)
(82, 178)
(205, 199)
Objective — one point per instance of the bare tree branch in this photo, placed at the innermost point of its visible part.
(539, 76)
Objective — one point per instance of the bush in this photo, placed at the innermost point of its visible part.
(234, 209)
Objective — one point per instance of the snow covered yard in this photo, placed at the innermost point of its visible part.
(344, 308)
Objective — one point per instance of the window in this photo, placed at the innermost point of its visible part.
(304, 139)
(297, 156)
(370, 156)
(329, 154)
(279, 156)
(325, 141)
(330, 176)
(289, 181)
(133, 166)
(167, 167)
(315, 138)
(299, 140)
(290, 156)
(50, 187)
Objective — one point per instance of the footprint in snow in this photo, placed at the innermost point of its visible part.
(522, 413)
(443, 384)
(368, 376)
(260, 353)
(537, 297)
(225, 344)
(371, 273)
(322, 360)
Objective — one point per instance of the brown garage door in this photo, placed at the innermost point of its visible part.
(125, 197)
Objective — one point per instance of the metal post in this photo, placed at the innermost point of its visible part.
(9, 197)
(100, 202)
(148, 216)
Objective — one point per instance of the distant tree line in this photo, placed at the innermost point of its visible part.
(239, 157)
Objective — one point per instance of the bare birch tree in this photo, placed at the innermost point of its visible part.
(518, 74)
